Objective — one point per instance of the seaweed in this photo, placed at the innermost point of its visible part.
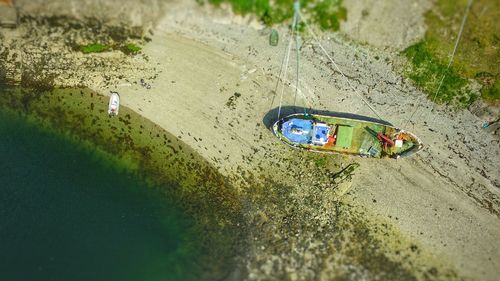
(94, 48)
(131, 48)
(476, 57)
(431, 74)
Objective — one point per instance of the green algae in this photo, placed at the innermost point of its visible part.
(427, 72)
(141, 147)
(383, 250)
(476, 57)
(353, 243)
(327, 14)
(334, 240)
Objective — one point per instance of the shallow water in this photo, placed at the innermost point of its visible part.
(68, 214)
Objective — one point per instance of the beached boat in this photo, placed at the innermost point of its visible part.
(114, 104)
(334, 134)
(339, 133)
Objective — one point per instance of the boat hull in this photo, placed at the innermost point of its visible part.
(348, 136)
(114, 104)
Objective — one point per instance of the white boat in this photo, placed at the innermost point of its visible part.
(114, 104)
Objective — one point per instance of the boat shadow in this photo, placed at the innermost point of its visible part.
(272, 116)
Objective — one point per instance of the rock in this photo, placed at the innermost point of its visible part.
(8, 14)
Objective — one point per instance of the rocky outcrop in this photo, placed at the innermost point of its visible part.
(8, 14)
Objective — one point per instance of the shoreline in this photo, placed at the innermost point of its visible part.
(352, 221)
(428, 199)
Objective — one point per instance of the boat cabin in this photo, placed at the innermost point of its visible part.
(320, 134)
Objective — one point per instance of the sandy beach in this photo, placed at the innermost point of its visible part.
(213, 78)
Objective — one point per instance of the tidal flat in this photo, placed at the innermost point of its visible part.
(264, 218)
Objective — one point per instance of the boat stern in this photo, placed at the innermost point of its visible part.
(114, 104)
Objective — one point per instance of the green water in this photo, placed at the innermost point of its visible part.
(66, 214)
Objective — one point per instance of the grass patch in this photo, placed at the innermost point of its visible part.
(491, 93)
(94, 48)
(476, 57)
(426, 70)
(131, 48)
(327, 13)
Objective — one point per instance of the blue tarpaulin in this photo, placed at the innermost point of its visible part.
(320, 134)
(298, 130)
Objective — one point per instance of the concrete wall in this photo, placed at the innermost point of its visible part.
(115, 12)
(8, 14)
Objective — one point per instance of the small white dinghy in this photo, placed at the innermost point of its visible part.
(114, 104)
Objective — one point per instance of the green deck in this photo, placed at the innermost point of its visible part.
(344, 136)
(352, 135)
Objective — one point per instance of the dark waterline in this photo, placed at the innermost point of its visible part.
(66, 214)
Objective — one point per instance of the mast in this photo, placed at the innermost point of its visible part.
(295, 29)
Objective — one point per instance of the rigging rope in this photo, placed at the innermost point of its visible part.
(337, 67)
(296, 8)
(279, 77)
(469, 4)
(287, 59)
